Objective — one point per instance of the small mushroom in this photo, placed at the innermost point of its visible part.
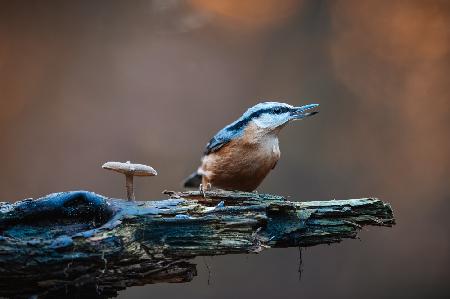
(130, 170)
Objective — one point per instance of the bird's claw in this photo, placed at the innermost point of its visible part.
(202, 191)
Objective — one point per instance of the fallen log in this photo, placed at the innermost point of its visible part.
(83, 243)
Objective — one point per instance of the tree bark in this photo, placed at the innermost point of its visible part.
(53, 245)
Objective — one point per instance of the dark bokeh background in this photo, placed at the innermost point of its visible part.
(84, 82)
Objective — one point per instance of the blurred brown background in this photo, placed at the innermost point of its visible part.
(84, 82)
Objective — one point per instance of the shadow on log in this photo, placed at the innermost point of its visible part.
(81, 243)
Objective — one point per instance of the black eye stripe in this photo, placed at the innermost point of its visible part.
(279, 110)
(243, 122)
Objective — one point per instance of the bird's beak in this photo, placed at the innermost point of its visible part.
(304, 111)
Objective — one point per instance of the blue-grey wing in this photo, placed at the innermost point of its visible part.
(215, 144)
(220, 139)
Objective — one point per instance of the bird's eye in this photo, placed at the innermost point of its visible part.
(277, 110)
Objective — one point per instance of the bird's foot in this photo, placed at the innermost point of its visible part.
(202, 190)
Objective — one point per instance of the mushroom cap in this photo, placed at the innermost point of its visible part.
(130, 168)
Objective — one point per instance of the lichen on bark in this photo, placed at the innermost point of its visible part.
(66, 240)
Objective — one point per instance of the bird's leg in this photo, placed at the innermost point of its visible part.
(202, 191)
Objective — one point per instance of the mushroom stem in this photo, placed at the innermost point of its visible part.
(129, 186)
(129, 170)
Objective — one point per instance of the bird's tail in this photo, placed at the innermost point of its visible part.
(193, 181)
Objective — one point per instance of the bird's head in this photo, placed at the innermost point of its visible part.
(273, 115)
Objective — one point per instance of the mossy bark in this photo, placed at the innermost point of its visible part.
(54, 245)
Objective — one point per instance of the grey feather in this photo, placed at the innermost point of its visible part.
(220, 139)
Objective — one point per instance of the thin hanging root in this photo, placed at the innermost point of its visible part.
(300, 263)
(105, 261)
(208, 269)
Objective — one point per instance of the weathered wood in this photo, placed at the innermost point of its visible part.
(54, 244)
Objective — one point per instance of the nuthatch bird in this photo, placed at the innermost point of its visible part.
(240, 155)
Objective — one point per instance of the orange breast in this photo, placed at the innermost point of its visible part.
(242, 164)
